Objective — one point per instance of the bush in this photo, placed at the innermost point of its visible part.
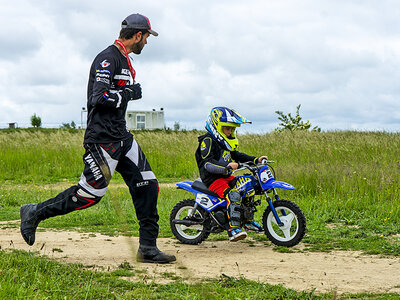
(68, 126)
(36, 121)
(294, 123)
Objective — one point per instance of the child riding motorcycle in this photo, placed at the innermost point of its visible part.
(217, 157)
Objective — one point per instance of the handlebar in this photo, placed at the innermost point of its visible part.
(266, 161)
(250, 165)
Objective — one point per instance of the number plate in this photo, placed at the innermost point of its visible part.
(203, 200)
(266, 175)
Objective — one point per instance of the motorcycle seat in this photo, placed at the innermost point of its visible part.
(200, 186)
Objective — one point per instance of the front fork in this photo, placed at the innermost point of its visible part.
(271, 205)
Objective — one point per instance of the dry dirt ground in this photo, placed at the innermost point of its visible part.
(340, 271)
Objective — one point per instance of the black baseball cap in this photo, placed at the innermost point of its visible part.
(138, 21)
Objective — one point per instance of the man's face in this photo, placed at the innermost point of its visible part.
(138, 46)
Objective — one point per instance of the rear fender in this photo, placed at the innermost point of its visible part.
(186, 185)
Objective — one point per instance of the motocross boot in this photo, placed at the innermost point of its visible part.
(69, 200)
(234, 232)
(29, 222)
(151, 254)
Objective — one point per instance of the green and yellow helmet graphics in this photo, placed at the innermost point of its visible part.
(220, 117)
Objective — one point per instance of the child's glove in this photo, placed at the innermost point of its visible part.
(228, 170)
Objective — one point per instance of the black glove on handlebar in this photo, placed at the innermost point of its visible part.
(228, 170)
(132, 92)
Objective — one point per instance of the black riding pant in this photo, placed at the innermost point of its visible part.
(101, 160)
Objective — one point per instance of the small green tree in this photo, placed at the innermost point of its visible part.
(177, 126)
(68, 126)
(36, 121)
(293, 123)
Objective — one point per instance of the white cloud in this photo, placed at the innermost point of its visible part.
(339, 59)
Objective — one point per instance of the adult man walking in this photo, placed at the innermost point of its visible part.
(110, 146)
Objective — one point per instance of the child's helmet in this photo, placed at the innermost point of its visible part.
(223, 116)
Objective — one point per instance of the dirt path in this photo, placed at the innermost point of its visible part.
(340, 271)
(67, 184)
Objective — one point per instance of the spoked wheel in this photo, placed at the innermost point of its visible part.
(294, 224)
(186, 225)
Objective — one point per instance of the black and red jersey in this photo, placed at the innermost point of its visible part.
(213, 160)
(106, 103)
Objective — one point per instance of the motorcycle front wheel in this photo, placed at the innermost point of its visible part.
(182, 212)
(294, 224)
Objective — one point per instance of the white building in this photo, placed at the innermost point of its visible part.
(137, 119)
(145, 119)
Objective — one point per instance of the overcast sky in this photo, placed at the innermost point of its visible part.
(339, 59)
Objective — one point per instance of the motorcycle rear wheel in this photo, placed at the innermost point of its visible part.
(294, 228)
(192, 234)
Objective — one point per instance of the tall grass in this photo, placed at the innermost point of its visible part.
(334, 166)
(53, 155)
(336, 174)
(40, 155)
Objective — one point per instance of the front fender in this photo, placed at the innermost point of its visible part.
(273, 184)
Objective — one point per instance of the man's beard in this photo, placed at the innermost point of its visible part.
(137, 48)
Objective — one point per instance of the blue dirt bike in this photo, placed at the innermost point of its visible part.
(192, 220)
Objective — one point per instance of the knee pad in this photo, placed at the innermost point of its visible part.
(80, 192)
(71, 199)
(234, 197)
(84, 199)
(234, 210)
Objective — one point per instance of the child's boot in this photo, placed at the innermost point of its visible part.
(235, 234)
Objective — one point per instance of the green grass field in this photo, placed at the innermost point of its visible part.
(346, 184)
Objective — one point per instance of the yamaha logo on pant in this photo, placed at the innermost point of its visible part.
(93, 167)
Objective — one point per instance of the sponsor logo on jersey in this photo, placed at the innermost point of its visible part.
(103, 71)
(121, 77)
(203, 146)
(105, 63)
(103, 75)
(104, 80)
(125, 71)
(226, 156)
